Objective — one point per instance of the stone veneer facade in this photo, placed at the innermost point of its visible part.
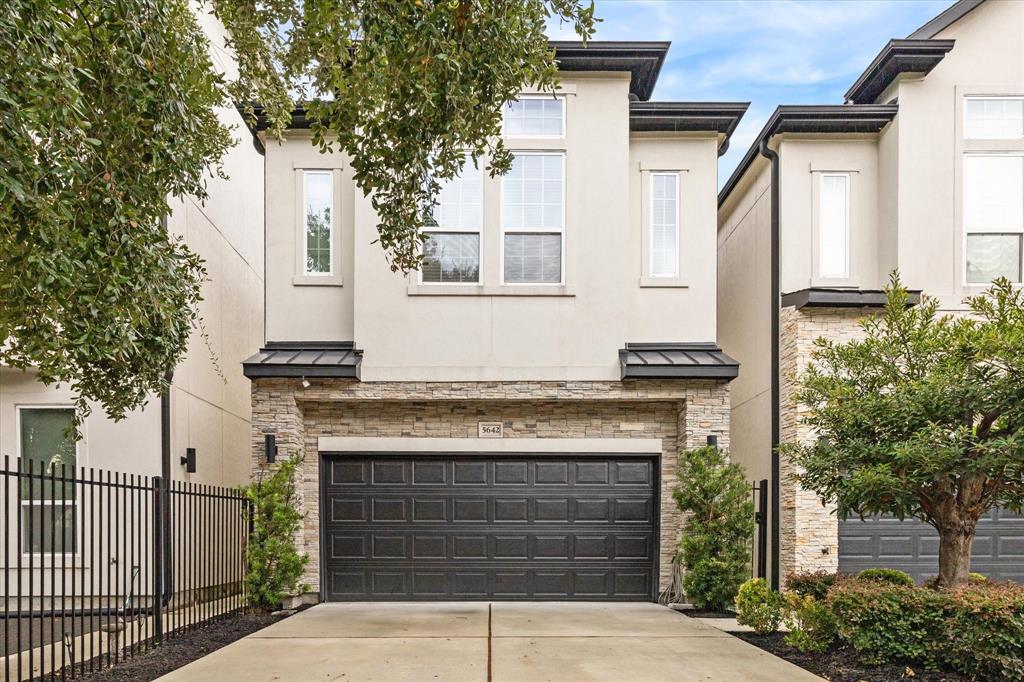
(682, 413)
(809, 529)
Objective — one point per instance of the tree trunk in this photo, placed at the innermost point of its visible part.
(955, 540)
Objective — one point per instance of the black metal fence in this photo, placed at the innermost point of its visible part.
(98, 565)
(759, 548)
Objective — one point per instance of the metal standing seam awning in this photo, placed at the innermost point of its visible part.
(340, 359)
(676, 361)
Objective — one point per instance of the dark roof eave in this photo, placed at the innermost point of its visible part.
(643, 59)
(659, 361)
(821, 297)
(813, 119)
(897, 57)
(260, 371)
(717, 117)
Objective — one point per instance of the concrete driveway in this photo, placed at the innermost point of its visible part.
(489, 641)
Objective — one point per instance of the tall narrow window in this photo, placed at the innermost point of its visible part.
(535, 116)
(532, 216)
(834, 225)
(48, 509)
(451, 252)
(664, 237)
(318, 205)
(994, 118)
(993, 216)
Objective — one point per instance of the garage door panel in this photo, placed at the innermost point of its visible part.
(913, 546)
(475, 527)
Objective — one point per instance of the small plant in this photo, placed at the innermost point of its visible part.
(977, 579)
(887, 575)
(274, 563)
(759, 607)
(811, 624)
(811, 584)
(716, 496)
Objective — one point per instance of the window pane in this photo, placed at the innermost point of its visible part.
(533, 258)
(458, 202)
(994, 119)
(664, 225)
(833, 228)
(532, 193)
(993, 255)
(319, 193)
(48, 528)
(451, 257)
(993, 193)
(47, 446)
(534, 116)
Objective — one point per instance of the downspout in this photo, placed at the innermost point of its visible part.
(167, 550)
(776, 393)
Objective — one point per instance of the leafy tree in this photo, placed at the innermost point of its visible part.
(923, 418)
(112, 108)
(274, 563)
(720, 522)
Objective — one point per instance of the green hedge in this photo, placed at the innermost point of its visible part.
(811, 584)
(977, 630)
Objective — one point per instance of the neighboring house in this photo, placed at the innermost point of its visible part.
(505, 422)
(921, 170)
(208, 406)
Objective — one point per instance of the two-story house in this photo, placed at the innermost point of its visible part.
(921, 170)
(504, 422)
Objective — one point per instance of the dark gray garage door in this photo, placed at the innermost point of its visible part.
(913, 546)
(488, 527)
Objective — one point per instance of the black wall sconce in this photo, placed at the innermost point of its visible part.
(713, 441)
(270, 447)
(189, 460)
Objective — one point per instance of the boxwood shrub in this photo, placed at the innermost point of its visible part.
(811, 583)
(887, 575)
(977, 630)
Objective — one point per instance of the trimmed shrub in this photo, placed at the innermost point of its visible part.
(715, 495)
(977, 578)
(887, 575)
(274, 563)
(759, 606)
(812, 627)
(977, 630)
(811, 584)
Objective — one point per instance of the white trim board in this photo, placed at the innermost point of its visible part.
(647, 446)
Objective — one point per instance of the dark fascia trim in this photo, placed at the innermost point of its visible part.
(257, 371)
(254, 128)
(945, 19)
(309, 345)
(810, 119)
(643, 59)
(820, 297)
(728, 370)
(718, 117)
(897, 57)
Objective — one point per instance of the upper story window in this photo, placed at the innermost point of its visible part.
(834, 225)
(994, 118)
(319, 222)
(451, 251)
(48, 509)
(664, 225)
(993, 214)
(535, 116)
(533, 219)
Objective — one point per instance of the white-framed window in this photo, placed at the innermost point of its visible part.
(533, 219)
(452, 249)
(535, 116)
(993, 216)
(834, 225)
(318, 223)
(994, 118)
(48, 509)
(663, 239)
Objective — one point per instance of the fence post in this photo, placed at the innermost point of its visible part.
(158, 569)
(762, 528)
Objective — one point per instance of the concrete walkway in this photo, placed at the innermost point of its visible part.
(481, 641)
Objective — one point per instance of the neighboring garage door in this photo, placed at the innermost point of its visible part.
(489, 527)
(913, 546)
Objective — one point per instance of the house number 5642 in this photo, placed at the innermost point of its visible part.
(490, 429)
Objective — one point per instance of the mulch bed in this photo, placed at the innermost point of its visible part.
(177, 652)
(840, 664)
(694, 613)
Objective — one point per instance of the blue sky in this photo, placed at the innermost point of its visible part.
(767, 52)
